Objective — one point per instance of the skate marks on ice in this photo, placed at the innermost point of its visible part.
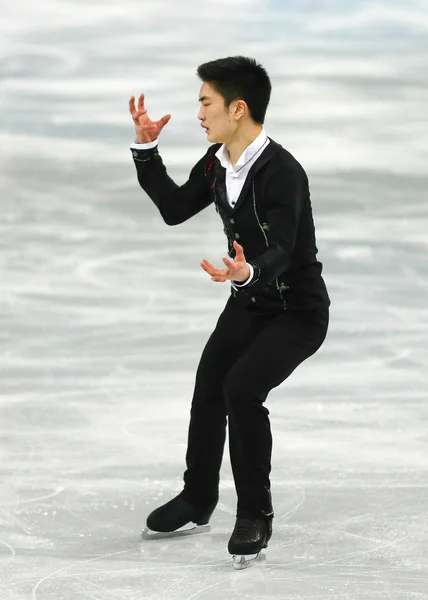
(379, 551)
(349, 517)
(356, 522)
(55, 574)
(369, 553)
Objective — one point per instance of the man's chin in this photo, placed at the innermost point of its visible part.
(212, 138)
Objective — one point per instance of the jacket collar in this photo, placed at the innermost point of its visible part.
(220, 175)
(246, 156)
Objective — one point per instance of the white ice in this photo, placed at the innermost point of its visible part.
(104, 309)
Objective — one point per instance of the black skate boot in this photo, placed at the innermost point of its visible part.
(169, 519)
(249, 537)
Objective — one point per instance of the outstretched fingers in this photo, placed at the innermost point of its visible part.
(162, 122)
(239, 251)
(141, 107)
(134, 112)
(213, 271)
(207, 266)
(132, 108)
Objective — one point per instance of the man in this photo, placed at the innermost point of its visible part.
(278, 311)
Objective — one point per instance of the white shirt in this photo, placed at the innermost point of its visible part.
(235, 175)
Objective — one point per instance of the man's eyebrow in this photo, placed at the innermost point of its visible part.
(202, 98)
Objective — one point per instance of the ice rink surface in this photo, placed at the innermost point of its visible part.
(105, 310)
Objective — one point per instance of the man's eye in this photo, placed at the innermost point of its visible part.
(206, 105)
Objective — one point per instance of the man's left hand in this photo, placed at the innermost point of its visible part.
(237, 270)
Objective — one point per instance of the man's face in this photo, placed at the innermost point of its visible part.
(215, 118)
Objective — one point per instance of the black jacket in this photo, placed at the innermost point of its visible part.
(272, 220)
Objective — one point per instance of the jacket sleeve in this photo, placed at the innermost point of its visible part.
(176, 203)
(284, 199)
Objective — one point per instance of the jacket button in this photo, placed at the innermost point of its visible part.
(253, 299)
(232, 221)
(237, 236)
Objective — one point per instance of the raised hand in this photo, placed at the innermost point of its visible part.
(237, 270)
(146, 129)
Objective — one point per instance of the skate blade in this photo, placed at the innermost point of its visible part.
(148, 534)
(243, 561)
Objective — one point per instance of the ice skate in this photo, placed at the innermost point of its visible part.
(243, 561)
(178, 518)
(249, 537)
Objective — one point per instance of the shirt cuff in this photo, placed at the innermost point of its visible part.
(238, 285)
(147, 146)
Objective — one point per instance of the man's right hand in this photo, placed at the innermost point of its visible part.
(146, 129)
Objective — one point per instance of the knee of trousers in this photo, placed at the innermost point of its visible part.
(241, 394)
(237, 393)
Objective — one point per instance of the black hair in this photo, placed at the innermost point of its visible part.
(239, 78)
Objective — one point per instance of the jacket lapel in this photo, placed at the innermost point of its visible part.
(220, 184)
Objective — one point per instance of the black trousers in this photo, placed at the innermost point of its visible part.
(249, 353)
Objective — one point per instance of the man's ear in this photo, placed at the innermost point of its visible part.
(240, 108)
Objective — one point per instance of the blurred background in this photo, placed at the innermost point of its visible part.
(104, 310)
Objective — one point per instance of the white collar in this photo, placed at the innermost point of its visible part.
(224, 158)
